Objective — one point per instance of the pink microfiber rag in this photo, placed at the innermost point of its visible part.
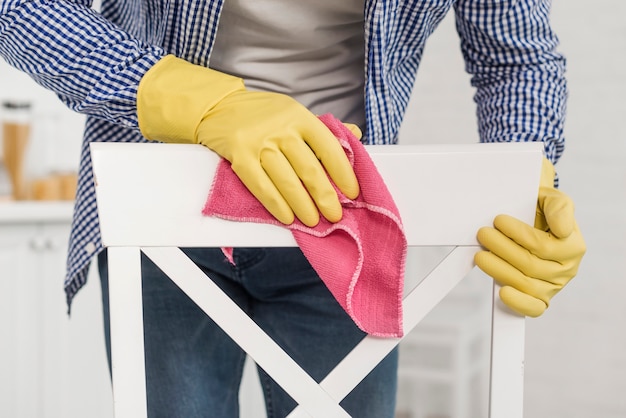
(361, 258)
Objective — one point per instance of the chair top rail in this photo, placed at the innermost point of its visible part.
(152, 194)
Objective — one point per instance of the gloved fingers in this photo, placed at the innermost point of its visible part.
(525, 235)
(311, 173)
(285, 174)
(354, 130)
(543, 244)
(519, 256)
(537, 242)
(557, 209)
(506, 274)
(263, 188)
(334, 159)
(522, 303)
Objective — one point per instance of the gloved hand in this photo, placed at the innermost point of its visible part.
(276, 146)
(533, 264)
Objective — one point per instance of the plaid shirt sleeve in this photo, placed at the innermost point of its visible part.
(510, 51)
(92, 65)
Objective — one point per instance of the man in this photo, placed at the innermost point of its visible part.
(245, 78)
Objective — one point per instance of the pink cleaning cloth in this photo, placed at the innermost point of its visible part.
(361, 258)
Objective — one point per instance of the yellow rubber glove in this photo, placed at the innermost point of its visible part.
(276, 146)
(532, 264)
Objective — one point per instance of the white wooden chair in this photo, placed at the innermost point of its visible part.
(150, 198)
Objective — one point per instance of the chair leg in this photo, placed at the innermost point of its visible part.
(127, 346)
(506, 389)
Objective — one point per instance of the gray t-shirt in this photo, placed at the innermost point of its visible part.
(310, 50)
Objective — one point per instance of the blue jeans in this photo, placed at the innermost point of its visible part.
(193, 369)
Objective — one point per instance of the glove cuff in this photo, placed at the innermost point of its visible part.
(174, 95)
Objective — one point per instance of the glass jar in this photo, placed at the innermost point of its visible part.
(16, 130)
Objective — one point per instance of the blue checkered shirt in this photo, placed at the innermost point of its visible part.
(94, 62)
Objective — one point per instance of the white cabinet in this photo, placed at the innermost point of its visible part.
(51, 364)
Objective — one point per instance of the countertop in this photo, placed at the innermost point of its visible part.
(35, 211)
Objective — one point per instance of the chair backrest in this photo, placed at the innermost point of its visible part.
(151, 195)
(444, 193)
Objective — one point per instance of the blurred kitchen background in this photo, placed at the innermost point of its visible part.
(575, 353)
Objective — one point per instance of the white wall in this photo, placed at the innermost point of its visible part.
(576, 361)
(576, 352)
